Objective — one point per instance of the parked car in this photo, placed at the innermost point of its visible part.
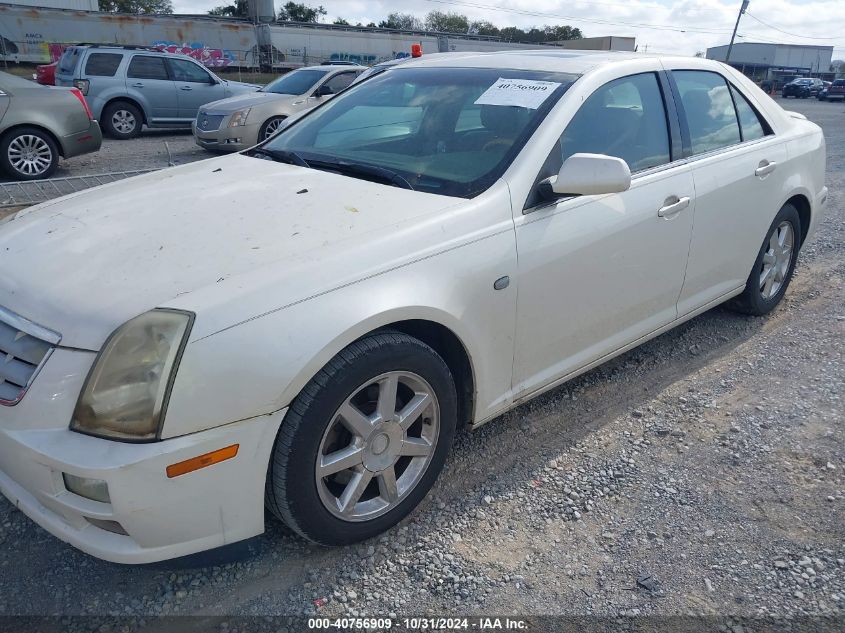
(306, 324)
(802, 88)
(239, 122)
(835, 92)
(131, 86)
(40, 124)
(45, 74)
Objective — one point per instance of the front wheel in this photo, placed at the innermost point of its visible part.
(364, 441)
(270, 127)
(774, 266)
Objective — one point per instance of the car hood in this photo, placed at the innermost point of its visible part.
(248, 100)
(239, 87)
(86, 263)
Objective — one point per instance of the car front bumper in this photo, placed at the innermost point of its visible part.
(226, 139)
(149, 516)
(83, 142)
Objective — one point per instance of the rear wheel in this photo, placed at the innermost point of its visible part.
(364, 441)
(27, 153)
(774, 266)
(122, 120)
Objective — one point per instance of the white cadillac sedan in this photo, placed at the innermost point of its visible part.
(304, 326)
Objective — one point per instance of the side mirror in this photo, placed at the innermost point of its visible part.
(324, 91)
(588, 175)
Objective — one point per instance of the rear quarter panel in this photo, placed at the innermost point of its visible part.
(53, 109)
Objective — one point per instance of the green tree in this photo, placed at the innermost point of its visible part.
(446, 22)
(483, 27)
(341, 22)
(238, 9)
(402, 21)
(136, 6)
(298, 12)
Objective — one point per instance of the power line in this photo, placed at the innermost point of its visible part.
(806, 37)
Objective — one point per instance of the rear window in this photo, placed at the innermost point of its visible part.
(147, 67)
(102, 64)
(839, 82)
(68, 61)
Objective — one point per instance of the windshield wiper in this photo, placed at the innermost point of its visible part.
(362, 169)
(282, 156)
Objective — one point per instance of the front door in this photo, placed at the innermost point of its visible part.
(596, 273)
(195, 86)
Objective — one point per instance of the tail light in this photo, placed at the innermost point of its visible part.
(78, 94)
(82, 85)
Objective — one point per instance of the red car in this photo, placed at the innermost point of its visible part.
(836, 90)
(46, 74)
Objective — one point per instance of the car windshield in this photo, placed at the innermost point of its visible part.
(449, 131)
(10, 82)
(297, 82)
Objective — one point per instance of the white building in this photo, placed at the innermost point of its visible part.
(772, 61)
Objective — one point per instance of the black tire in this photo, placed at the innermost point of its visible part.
(291, 491)
(28, 139)
(751, 301)
(262, 132)
(116, 108)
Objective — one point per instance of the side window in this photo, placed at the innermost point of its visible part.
(184, 70)
(341, 81)
(749, 121)
(709, 109)
(625, 118)
(147, 67)
(102, 64)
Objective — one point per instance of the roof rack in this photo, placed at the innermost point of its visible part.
(133, 47)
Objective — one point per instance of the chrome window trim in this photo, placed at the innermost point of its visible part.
(29, 327)
(664, 167)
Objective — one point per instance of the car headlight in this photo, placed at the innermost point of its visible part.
(126, 392)
(239, 118)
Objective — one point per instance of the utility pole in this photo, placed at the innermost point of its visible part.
(736, 26)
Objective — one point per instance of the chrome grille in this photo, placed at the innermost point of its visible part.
(24, 347)
(209, 122)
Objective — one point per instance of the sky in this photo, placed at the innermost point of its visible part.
(663, 26)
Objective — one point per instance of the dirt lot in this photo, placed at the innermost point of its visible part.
(701, 474)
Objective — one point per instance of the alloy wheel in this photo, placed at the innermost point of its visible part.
(776, 260)
(124, 121)
(272, 127)
(30, 155)
(377, 446)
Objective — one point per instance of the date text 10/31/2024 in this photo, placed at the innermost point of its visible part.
(420, 624)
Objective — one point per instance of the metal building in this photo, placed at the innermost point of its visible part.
(78, 5)
(776, 61)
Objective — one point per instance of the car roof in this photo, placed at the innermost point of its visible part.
(575, 62)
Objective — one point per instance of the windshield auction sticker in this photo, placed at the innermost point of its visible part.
(523, 93)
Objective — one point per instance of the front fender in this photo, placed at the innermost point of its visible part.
(260, 365)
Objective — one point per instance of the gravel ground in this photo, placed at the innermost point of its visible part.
(700, 474)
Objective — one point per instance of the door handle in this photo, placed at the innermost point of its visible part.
(138, 85)
(185, 88)
(765, 168)
(672, 206)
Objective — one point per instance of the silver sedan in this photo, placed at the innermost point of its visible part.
(39, 124)
(236, 123)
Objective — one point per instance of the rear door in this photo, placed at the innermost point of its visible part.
(739, 167)
(195, 86)
(148, 81)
